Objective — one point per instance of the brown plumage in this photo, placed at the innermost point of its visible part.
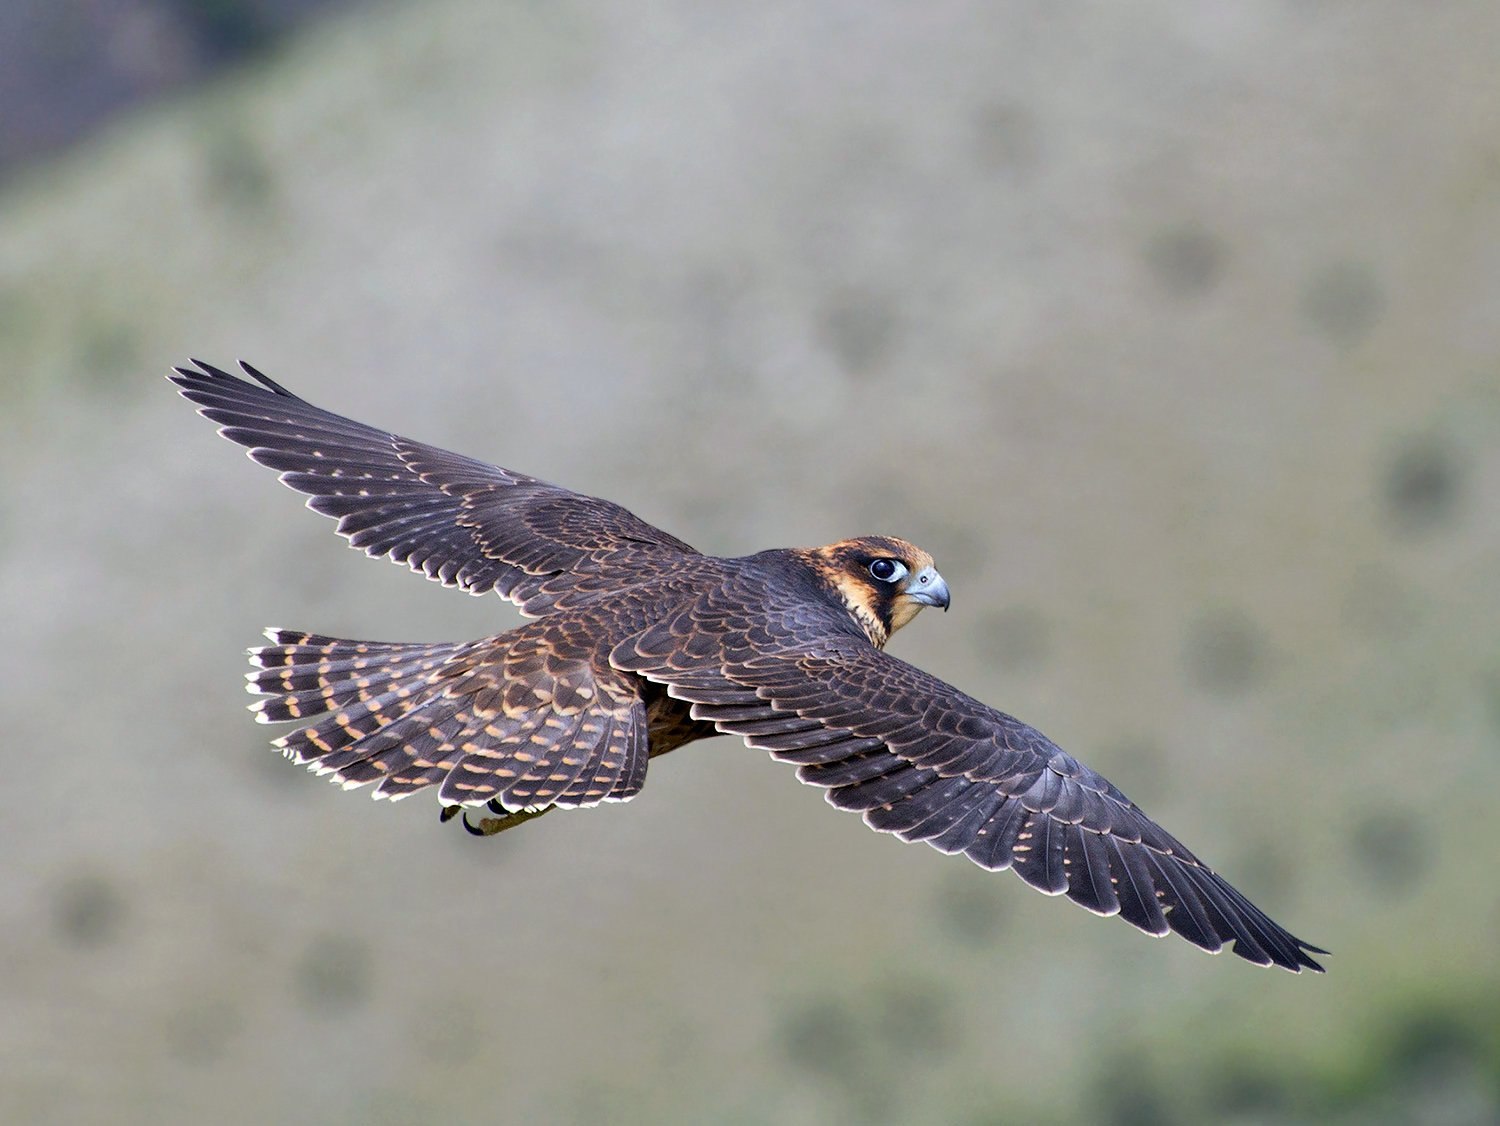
(642, 644)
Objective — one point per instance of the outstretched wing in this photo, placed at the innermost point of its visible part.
(922, 760)
(459, 521)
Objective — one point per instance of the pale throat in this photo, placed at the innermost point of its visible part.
(905, 609)
(859, 600)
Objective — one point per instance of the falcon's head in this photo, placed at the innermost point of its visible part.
(884, 582)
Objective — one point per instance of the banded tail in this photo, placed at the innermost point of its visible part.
(504, 722)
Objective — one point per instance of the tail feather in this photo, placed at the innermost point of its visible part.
(488, 767)
(504, 720)
(619, 770)
(310, 674)
(411, 737)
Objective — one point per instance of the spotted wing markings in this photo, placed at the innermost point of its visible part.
(486, 722)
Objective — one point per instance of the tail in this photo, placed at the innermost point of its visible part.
(503, 722)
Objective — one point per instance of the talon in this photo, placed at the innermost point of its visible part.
(448, 813)
(483, 830)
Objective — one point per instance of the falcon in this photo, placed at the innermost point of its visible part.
(639, 644)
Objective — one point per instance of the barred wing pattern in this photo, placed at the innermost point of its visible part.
(462, 522)
(926, 762)
(513, 722)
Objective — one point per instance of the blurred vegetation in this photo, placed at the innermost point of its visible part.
(71, 66)
(1171, 333)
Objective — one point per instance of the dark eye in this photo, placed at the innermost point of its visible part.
(887, 570)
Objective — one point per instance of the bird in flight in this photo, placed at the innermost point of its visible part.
(640, 644)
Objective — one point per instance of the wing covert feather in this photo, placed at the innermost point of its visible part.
(454, 519)
(920, 759)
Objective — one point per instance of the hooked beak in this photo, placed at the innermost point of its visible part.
(928, 588)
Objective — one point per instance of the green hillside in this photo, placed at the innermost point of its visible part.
(1174, 335)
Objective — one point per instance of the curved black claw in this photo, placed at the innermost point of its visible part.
(489, 826)
(479, 831)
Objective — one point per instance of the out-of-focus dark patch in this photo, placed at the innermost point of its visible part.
(1434, 1041)
(1446, 1060)
(1243, 1093)
(70, 67)
(1127, 1092)
(1422, 485)
(17, 319)
(970, 914)
(1442, 1060)
(1389, 848)
(1015, 639)
(235, 171)
(1186, 260)
(1007, 139)
(1436, 1062)
(88, 911)
(822, 1037)
(859, 326)
(1269, 870)
(916, 1018)
(334, 977)
(225, 29)
(1343, 301)
(201, 1032)
(1225, 653)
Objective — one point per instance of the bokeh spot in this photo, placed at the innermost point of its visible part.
(1225, 653)
(968, 913)
(859, 327)
(1389, 847)
(1186, 260)
(333, 976)
(1422, 485)
(822, 1037)
(1007, 139)
(1128, 1093)
(88, 911)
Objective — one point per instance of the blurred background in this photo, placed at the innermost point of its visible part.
(1172, 330)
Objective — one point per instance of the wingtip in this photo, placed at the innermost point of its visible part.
(201, 371)
(1299, 959)
(186, 376)
(1308, 961)
(264, 380)
(195, 374)
(207, 369)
